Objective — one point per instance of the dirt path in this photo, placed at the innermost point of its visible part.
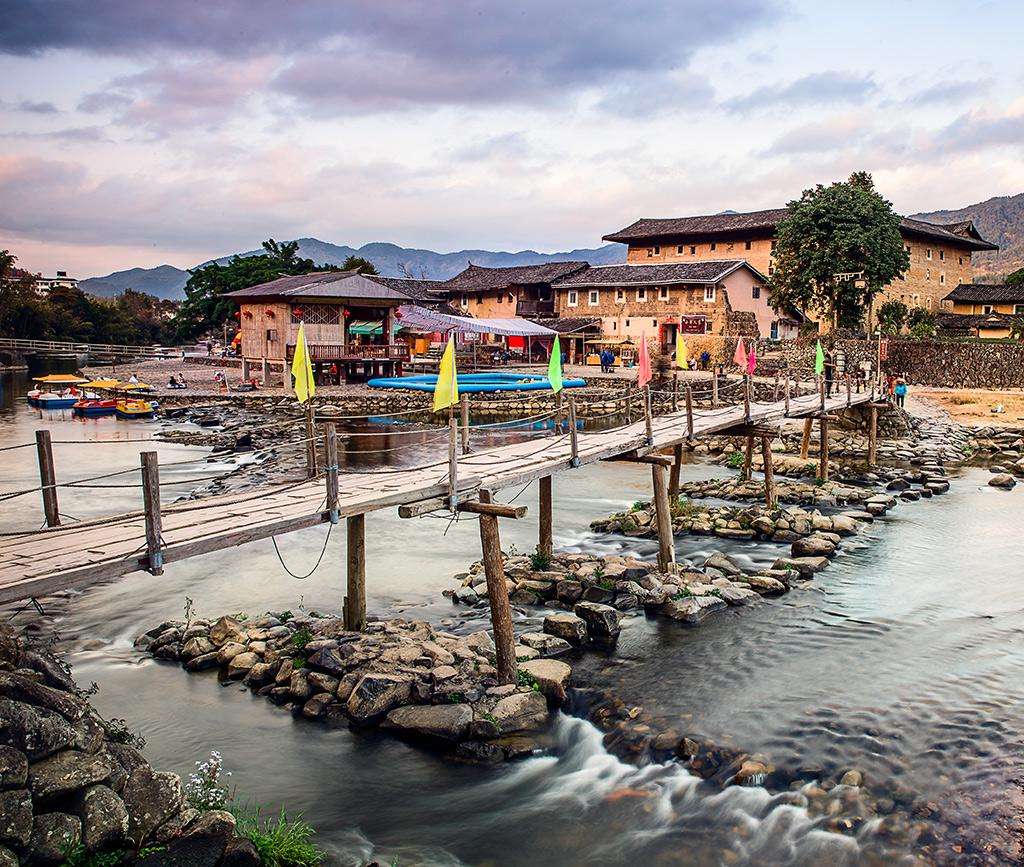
(974, 407)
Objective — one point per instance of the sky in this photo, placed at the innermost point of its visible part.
(134, 134)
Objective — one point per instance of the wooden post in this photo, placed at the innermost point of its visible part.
(497, 595)
(453, 463)
(821, 390)
(673, 475)
(648, 416)
(689, 411)
(746, 398)
(354, 607)
(574, 449)
(769, 472)
(675, 391)
(629, 402)
(714, 388)
(266, 372)
(151, 504)
(787, 394)
(464, 413)
(331, 470)
(47, 478)
(805, 441)
(823, 447)
(775, 393)
(245, 369)
(663, 513)
(849, 401)
(545, 541)
(310, 442)
(873, 436)
(748, 458)
(558, 413)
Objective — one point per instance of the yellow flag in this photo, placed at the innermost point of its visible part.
(302, 369)
(446, 390)
(682, 353)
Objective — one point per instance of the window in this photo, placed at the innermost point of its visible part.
(271, 335)
(679, 249)
(573, 298)
(1018, 309)
(961, 260)
(594, 298)
(771, 270)
(620, 296)
(316, 314)
(928, 274)
(942, 279)
(986, 308)
(657, 250)
(774, 245)
(755, 292)
(728, 248)
(653, 251)
(693, 249)
(641, 294)
(464, 301)
(709, 294)
(714, 246)
(928, 254)
(942, 255)
(663, 293)
(654, 323)
(627, 323)
(929, 302)
(511, 298)
(746, 245)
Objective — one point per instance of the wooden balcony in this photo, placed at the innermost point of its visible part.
(340, 352)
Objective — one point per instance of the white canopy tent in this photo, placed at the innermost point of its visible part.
(412, 316)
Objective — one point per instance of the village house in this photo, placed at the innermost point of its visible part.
(940, 255)
(659, 301)
(982, 310)
(349, 318)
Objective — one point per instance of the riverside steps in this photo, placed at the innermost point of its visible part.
(35, 563)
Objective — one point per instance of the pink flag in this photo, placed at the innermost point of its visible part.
(741, 355)
(752, 359)
(644, 364)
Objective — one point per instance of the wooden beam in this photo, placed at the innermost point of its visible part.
(574, 447)
(748, 457)
(873, 436)
(464, 415)
(663, 514)
(769, 472)
(151, 504)
(453, 465)
(310, 442)
(331, 470)
(498, 510)
(823, 449)
(637, 458)
(742, 429)
(545, 528)
(423, 507)
(689, 411)
(805, 441)
(47, 478)
(673, 474)
(354, 607)
(497, 595)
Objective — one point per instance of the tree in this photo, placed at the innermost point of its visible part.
(1017, 328)
(358, 263)
(1014, 279)
(844, 228)
(892, 316)
(921, 322)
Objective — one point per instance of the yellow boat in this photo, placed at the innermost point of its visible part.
(129, 409)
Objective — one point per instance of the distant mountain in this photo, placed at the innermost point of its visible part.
(164, 281)
(391, 260)
(1000, 220)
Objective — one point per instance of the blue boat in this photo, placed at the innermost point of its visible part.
(477, 383)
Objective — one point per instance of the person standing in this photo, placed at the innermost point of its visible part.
(830, 372)
(901, 392)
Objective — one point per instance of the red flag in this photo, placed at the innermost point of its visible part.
(752, 359)
(741, 355)
(644, 364)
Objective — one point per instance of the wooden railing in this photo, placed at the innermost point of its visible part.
(24, 345)
(333, 351)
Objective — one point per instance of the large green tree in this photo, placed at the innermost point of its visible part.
(892, 316)
(1016, 278)
(844, 228)
(358, 263)
(206, 309)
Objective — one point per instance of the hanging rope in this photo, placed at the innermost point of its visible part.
(316, 565)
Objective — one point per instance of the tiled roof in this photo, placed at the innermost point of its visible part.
(657, 274)
(321, 284)
(986, 293)
(763, 223)
(570, 324)
(478, 279)
(417, 289)
(959, 322)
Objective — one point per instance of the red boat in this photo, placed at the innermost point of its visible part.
(93, 407)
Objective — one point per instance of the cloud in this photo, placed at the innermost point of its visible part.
(30, 106)
(511, 145)
(818, 137)
(69, 134)
(943, 92)
(818, 88)
(978, 130)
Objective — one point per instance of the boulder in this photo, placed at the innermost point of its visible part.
(1002, 480)
(229, 650)
(549, 645)
(104, 818)
(53, 836)
(569, 590)
(566, 626)
(19, 688)
(766, 585)
(241, 663)
(443, 722)
(198, 646)
(692, 609)
(151, 798)
(240, 852)
(551, 675)
(723, 563)
(806, 566)
(13, 768)
(225, 629)
(7, 857)
(522, 711)
(15, 817)
(602, 620)
(34, 731)
(377, 693)
(201, 844)
(66, 772)
(813, 546)
(316, 706)
(202, 663)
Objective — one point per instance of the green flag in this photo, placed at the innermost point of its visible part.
(819, 360)
(555, 367)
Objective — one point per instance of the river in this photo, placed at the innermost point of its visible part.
(904, 661)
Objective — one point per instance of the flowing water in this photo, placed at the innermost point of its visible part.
(904, 660)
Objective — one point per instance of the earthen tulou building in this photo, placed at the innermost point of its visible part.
(940, 255)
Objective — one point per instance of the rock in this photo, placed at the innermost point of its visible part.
(261, 673)
(241, 663)
(569, 590)
(602, 620)
(692, 609)
(813, 546)
(523, 711)
(201, 844)
(736, 595)
(806, 566)
(1002, 480)
(845, 525)
(15, 817)
(567, 627)
(752, 772)
(444, 722)
(229, 651)
(766, 585)
(225, 629)
(551, 675)
(53, 836)
(34, 731)
(377, 693)
(321, 682)
(316, 706)
(19, 688)
(852, 778)
(524, 653)
(199, 646)
(202, 663)
(549, 645)
(151, 798)
(723, 563)
(482, 643)
(7, 858)
(240, 852)
(66, 772)
(104, 818)
(13, 768)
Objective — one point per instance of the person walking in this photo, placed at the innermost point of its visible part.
(830, 373)
(901, 392)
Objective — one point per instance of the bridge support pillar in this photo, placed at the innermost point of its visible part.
(748, 458)
(823, 448)
(673, 476)
(873, 436)
(769, 472)
(805, 442)
(246, 373)
(354, 607)
(47, 478)
(497, 595)
(545, 535)
(663, 515)
(266, 373)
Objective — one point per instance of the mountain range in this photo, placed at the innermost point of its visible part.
(166, 281)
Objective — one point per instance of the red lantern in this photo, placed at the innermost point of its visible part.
(247, 314)
(346, 313)
(297, 311)
(270, 314)
(237, 315)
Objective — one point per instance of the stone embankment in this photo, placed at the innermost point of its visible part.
(402, 675)
(73, 785)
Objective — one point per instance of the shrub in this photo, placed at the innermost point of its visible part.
(282, 842)
(206, 788)
(540, 561)
(735, 460)
(524, 678)
(118, 731)
(300, 638)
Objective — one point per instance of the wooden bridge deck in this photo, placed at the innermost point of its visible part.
(43, 562)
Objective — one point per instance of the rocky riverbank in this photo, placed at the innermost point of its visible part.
(76, 786)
